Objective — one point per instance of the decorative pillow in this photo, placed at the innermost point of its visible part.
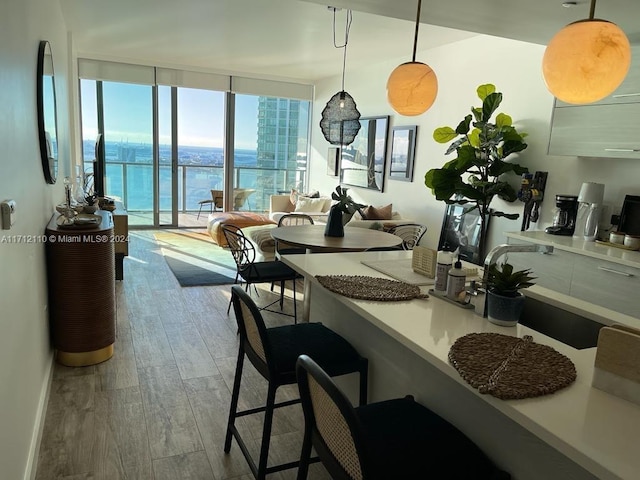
(309, 205)
(295, 194)
(378, 213)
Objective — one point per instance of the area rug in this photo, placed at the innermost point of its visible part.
(195, 260)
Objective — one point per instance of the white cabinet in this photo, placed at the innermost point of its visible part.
(596, 131)
(605, 276)
(607, 284)
(552, 270)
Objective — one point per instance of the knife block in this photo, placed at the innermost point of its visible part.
(617, 365)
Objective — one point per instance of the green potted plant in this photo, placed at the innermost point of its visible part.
(475, 176)
(340, 212)
(504, 299)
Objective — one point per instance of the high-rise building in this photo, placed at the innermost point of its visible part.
(278, 132)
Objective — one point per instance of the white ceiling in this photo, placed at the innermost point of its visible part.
(293, 38)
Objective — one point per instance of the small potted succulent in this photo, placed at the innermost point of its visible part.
(504, 299)
(340, 212)
(91, 201)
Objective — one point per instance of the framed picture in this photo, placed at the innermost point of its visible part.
(363, 163)
(403, 149)
(461, 230)
(332, 161)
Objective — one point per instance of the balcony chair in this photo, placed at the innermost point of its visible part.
(396, 438)
(251, 272)
(411, 234)
(215, 202)
(291, 220)
(273, 352)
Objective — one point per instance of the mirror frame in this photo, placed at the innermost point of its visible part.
(363, 163)
(48, 151)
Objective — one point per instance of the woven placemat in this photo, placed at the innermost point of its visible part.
(510, 367)
(370, 288)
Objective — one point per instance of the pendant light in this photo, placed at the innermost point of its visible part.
(412, 87)
(586, 60)
(340, 121)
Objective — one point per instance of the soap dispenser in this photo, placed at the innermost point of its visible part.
(456, 281)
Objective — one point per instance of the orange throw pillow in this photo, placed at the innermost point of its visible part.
(378, 213)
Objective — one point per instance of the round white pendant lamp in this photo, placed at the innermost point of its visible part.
(413, 86)
(586, 60)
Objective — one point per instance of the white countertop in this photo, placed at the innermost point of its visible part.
(599, 431)
(576, 245)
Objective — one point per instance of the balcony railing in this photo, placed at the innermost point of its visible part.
(133, 182)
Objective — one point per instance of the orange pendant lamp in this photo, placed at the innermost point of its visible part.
(586, 60)
(413, 86)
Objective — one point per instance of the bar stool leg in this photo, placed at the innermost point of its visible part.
(234, 400)
(266, 432)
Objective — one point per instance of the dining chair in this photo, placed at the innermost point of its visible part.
(291, 220)
(214, 202)
(250, 271)
(411, 234)
(396, 438)
(273, 352)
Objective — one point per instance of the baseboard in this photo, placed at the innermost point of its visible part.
(36, 437)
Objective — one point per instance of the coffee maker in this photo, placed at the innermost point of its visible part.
(564, 218)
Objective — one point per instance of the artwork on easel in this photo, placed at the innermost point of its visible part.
(333, 158)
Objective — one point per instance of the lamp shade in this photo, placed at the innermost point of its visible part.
(591, 192)
(412, 88)
(586, 61)
(340, 122)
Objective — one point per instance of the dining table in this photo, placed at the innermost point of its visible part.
(313, 239)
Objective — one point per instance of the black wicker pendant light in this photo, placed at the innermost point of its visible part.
(340, 121)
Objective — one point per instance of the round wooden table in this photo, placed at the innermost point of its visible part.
(355, 239)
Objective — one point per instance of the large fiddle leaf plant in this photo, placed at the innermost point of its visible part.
(475, 176)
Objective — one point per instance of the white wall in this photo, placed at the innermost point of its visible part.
(515, 68)
(25, 354)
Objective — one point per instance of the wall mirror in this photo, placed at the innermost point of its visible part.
(363, 162)
(46, 98)
(403, 149)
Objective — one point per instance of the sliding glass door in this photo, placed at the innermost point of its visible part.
(168, 144)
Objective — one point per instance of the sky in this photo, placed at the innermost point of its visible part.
(128, 114)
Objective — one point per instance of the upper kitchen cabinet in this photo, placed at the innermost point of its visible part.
(607, 128)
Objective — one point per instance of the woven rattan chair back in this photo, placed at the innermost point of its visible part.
(411, 234)
(243, 252)
(295, 219)
(253, 332)
(332, 420)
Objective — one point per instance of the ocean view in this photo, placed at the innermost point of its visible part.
(129, 175)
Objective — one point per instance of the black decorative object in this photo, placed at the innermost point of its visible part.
(340, 118)
(334, 227)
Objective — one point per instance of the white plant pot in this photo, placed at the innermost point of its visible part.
(504, 311)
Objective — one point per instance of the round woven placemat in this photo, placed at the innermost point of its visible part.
(510, 367)
(370, 288)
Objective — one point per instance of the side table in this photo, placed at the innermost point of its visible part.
(81, 284)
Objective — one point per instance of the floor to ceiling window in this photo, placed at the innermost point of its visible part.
(164, 155)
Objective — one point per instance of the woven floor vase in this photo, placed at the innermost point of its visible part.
(504, 311)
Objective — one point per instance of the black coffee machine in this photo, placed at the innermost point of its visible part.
(564, 219)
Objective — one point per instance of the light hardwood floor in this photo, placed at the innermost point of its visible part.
(158, 409)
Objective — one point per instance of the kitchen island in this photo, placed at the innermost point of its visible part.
(577, 433)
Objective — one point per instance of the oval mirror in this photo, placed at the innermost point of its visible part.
(46, 96)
